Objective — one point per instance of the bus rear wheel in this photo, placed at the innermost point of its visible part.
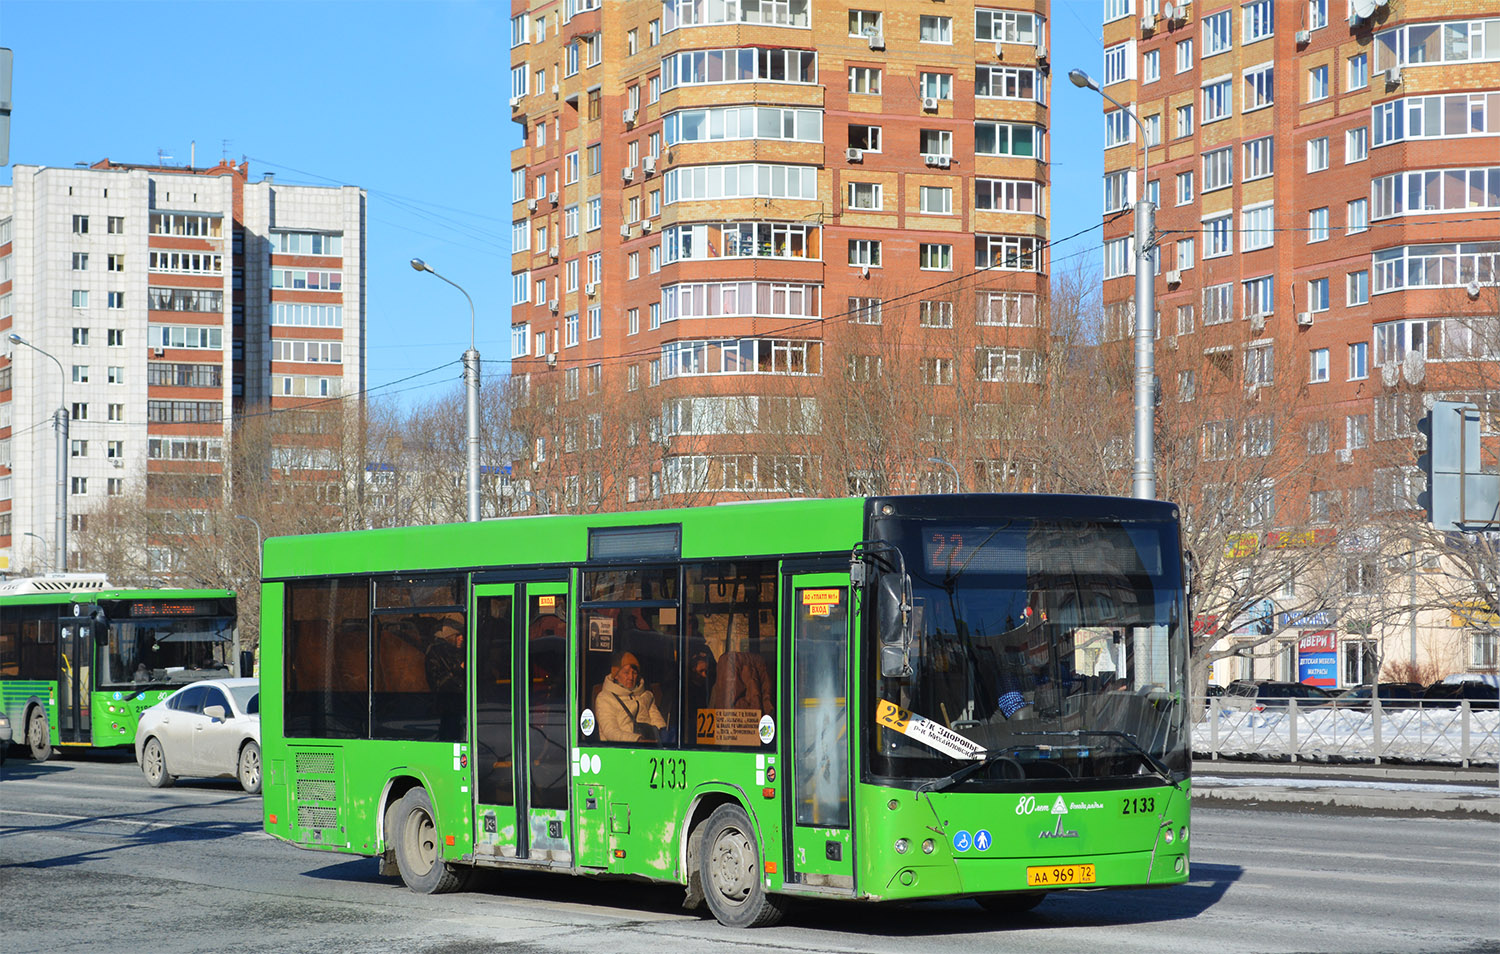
(38, 735)
(419, 847)
(729, 865)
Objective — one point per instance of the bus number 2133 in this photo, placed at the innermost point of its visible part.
(668, 773)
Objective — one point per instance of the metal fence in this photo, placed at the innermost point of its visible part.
(1459, 735)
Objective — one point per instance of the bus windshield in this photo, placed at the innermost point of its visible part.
(1040, 649)
(154, 652)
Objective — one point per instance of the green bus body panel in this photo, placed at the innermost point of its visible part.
(631, 807)
(113, 713)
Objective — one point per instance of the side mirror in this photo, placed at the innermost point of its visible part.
(893, 624)
(215, 713)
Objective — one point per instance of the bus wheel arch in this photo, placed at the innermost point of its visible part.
(395, 789)
(698, 813)
(38, 733)
(419, 846)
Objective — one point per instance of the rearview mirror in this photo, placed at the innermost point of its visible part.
(893, 624)
(215, 713)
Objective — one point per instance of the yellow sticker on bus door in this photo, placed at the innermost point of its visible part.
(821, 597)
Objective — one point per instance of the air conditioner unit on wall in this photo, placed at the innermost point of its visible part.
(629, 116)
(649, 164)
(646, 225)
(625, 231)
(1304, 319)
(854, 155)
(1148, 21)
(515, 102)
(1304, 37)
(929, 103)
(940, 161)
(627, 173)
(1393, 76)
(531, 205)
(1174, 277)
(552, 252)
(1345, 455)
(552, 306)
(552, 197)
(877, 41)
(1257, 323)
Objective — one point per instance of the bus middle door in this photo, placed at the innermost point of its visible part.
(520, 725)
(75, 648)
(821, 848)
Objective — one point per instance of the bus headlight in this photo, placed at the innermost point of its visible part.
(902, 846)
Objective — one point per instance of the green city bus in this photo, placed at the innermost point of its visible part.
(885, 698)
(80, 660)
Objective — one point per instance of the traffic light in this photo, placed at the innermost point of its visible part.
(1452, 456)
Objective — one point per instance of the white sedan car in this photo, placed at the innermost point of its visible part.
(210, 728)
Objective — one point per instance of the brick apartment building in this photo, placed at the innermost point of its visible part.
(709, 188)
(173, 298)
(1327, 178)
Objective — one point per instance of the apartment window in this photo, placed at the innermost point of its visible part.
(1119, 63)
(1117, 9)
(80, 411)
(935, 142)
(865, 138)
(1218, 169)
(1152, 125)
(1356, 144)
(864, 23)
(655, 261)
(653, 32)
(1318, 437)
(1119, 129)
(1184, 188)
(1184, 120)
(1217, 304)
(937, 85)
(1359, 360)
(80, 298)
(115, 224)
(1258, 20)
(80, 336)
(1259, 158)
(936, 314)
(1357, 218)
(1218, 235)
(935, 257)
(1317, 225)
(596, 267)
(864, 195)
(1317, 14)
(1218, 102)
(80, 374)
(632, 42)
(1317, 154)
(570, 270)
(1259, 225)
(1358, 287)
(1260, 371)
(114, 450)
(1151, 66)
(80, 261)
(78, 448)
(115, 374)
(1185, 319)
(1118, 256)
(1117, 190)
(570, 332)
(864, 252)
(1317, 295)
(937, 200)
(864, 79)
(1185, 55)
(570, 222)
(1216, 35)
(115, 299)
(1357, 431)
(1260, 87)
(115, 412)
(1185, 249)
(1317, 84)
(80, 225)
(1006, 26)
(633, 265)
(593, 213)
(1187, 385)
(937, 371)
(595, 160)
(114, 263)
(1359, 71)
(115, 337)
(864, 311)
(570, 168)
(933, 29)
(80, 486)
(1259, 297)
(596, 323)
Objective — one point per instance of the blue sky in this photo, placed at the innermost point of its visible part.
(406, 100)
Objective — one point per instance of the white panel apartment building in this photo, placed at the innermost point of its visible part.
(172, 299)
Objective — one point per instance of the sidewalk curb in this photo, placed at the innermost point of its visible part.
(1485, 806)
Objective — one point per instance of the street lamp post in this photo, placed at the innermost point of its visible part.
(1143, 477)
(471, 386)
(260, 543)
(60, 428)
(958, 484)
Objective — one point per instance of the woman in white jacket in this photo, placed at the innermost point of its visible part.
(625, 708)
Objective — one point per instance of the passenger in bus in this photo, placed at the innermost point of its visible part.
(743, 682)
(625, 708)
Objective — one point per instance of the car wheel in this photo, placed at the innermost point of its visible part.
(1015, 902)
(419, 847)
(154, 765)
(39, 735)
(729, 865)
(250, 768)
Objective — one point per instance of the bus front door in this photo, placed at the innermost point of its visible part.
(75, 649)
(821, 847)
(521, 740)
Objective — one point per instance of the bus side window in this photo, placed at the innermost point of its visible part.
(631, 662)
(731, 649)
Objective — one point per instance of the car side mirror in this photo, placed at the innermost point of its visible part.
(215, 713)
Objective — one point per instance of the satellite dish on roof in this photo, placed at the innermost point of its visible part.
(1364, 7)
(1167, 10)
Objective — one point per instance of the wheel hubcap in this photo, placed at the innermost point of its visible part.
(422, 839)
(38, 732)
(733, 865)
(153, 760)
(251, 769)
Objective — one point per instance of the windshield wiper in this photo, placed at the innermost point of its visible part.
(938, 784)
(1134, 744)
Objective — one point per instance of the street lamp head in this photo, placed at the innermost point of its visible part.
(420, 265)
(15, 338)
(1082, 80)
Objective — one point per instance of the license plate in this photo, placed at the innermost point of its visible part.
(1053, 876)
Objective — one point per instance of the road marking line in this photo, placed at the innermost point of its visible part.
(215, 827)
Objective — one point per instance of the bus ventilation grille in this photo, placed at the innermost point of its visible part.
(316, 790)
(313, 816)
(314, 763)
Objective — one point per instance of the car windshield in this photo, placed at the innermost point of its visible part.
(1041, 648)
(156, 652)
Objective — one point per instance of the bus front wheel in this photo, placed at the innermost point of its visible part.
(38, 735)
(729, 865)
(419, 847)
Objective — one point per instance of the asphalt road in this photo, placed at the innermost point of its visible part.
(91, 859)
